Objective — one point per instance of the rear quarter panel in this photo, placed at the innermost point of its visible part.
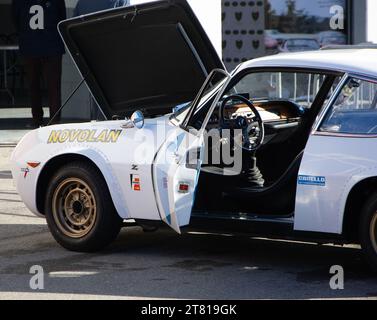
(342, 162)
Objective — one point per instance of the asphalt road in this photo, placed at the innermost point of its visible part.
(162, 265)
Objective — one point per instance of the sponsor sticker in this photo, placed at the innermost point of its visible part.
(25, 171)
(312, 180)
(79, 135)
(183, 187)
(30, 164)
(135, 182)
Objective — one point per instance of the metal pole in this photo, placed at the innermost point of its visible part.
(66, 101)
(295, 90)
(5, 69)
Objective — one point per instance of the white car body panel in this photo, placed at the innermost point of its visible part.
(169, 171)
(343, 162)
(112, 159)
(360, 61)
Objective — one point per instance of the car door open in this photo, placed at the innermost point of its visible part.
(177, 166)
(176, 172)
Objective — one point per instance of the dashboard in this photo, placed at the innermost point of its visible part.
(281, 117)
(270, 111)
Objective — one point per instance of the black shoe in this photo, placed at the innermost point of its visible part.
(33, 125)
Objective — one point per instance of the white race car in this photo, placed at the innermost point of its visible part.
(285, 146)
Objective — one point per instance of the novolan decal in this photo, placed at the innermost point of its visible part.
(78, 135)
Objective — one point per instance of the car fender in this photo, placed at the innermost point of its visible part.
(359, 176)
(101, 161)
(34, 147)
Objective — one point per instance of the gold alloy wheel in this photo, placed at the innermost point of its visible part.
(373, 231)
(74, 208)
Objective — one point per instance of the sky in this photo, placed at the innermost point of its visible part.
(209, 14)
(372, 22)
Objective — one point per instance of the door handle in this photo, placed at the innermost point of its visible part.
(177, 157)
(193, 159)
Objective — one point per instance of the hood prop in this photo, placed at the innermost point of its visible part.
(67, 100)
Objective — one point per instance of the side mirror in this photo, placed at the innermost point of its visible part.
(137, 119)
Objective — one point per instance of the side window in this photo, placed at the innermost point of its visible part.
(355, 110)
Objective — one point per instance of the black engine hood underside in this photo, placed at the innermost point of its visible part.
(151, 56)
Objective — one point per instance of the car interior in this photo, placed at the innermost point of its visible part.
(274, 112)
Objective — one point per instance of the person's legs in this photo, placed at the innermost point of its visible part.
(53, 75)
(33, 68)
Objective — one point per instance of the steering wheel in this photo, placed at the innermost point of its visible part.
(250, 124)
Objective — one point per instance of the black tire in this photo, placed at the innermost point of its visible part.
(79, 185)
(368, 231)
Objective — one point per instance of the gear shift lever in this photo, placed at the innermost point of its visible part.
(252, 174)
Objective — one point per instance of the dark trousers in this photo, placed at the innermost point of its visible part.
(51, 69)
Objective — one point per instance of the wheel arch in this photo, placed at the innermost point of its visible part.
(62, 159)
(356, 199)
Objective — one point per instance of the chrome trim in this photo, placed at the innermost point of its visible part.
(363, 77)
(197, 99)
(344, 135)
(213, 106)
(330, 103)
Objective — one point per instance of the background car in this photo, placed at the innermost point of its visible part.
(331, 37)
(298, 45)
(270, 43)
(272, 39)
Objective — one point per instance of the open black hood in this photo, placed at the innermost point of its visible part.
(150, 56)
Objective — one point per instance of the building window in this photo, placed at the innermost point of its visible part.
(253, 29)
